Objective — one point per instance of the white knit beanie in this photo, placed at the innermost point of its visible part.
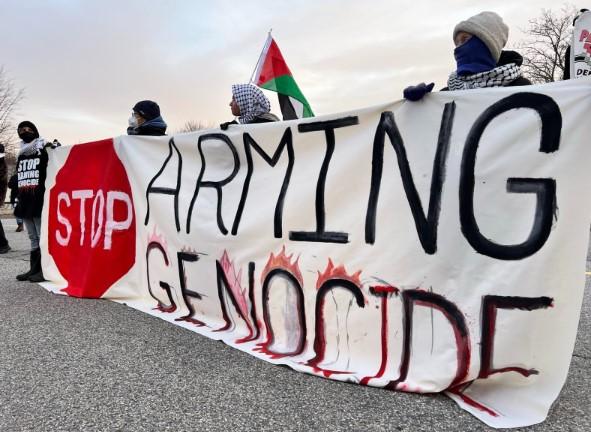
(489, 28)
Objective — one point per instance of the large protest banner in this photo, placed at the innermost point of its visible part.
(418, 246)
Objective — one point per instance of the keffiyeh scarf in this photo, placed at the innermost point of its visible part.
(251, 101)
(497, 77)
(33, 147)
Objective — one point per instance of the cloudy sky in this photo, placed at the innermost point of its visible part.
(83, 64)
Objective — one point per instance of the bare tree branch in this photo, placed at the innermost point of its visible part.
(10, 96)
(544, 49)
(192, 125)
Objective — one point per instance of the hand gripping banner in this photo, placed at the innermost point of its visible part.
(432, 246)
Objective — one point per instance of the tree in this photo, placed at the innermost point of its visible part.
(192, 126)
(544, 50)
(10, 96)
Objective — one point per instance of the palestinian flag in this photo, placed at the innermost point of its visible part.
(273, 74)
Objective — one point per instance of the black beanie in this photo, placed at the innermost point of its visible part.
(147, 109)
(27, 123)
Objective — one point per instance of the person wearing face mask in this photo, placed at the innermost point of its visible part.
(31, 171)
(250, 105)
(480, 59)
(146, 119)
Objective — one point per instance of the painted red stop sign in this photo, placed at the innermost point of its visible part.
(91, 226)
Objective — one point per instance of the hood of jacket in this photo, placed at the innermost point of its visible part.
(508, 57)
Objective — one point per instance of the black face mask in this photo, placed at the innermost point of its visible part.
(27, 136)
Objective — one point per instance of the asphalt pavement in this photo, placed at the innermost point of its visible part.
(71, 364)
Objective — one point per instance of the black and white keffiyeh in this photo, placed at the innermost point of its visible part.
(497, 77)
(251, 101)
(33, 147)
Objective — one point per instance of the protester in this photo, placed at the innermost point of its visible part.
(146, 119)
(568, 53)
(13, 186)
(4, 247)
(480, 59)
(250, 105)
(31, 169)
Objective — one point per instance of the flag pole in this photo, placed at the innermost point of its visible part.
(256, 67)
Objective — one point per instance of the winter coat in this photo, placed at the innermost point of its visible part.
(13, 186)
(508, 57)
(566, 74)
(3, 180)
(263, 118)
(154, 127)
(31, 173)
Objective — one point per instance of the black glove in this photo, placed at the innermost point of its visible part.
(224, 126)
(54, 144)
(416, 93)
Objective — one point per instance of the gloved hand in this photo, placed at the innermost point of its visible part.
(54, 144)
(416, 93)
(224, 126)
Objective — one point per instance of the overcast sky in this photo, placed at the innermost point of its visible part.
(84, 64)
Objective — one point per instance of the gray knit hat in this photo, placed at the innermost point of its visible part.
(489, 28)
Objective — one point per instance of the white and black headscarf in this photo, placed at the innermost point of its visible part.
(500, 76)
(31, 148)
(251, 101)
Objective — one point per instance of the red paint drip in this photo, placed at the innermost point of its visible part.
(263, 348)
(320, 338)
(320, 347)
(192, 321)
(329, 372)
(248, 338)
(251, 336)
(385, 289)
(462, 346)
(382, 369)
(471, 402)
(223, 328)
(525, 372)
(165, 309)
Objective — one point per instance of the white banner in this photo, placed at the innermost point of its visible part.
(419, 246)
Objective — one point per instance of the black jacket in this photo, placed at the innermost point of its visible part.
(263, 118)
(566, 74)
(31, 172)
(149, 130)
(3, 180)
(13, 186)
(154, 127)
(513, 57)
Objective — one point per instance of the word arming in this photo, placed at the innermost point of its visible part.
(426, 223)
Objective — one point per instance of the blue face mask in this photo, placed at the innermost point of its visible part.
(473, 57)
